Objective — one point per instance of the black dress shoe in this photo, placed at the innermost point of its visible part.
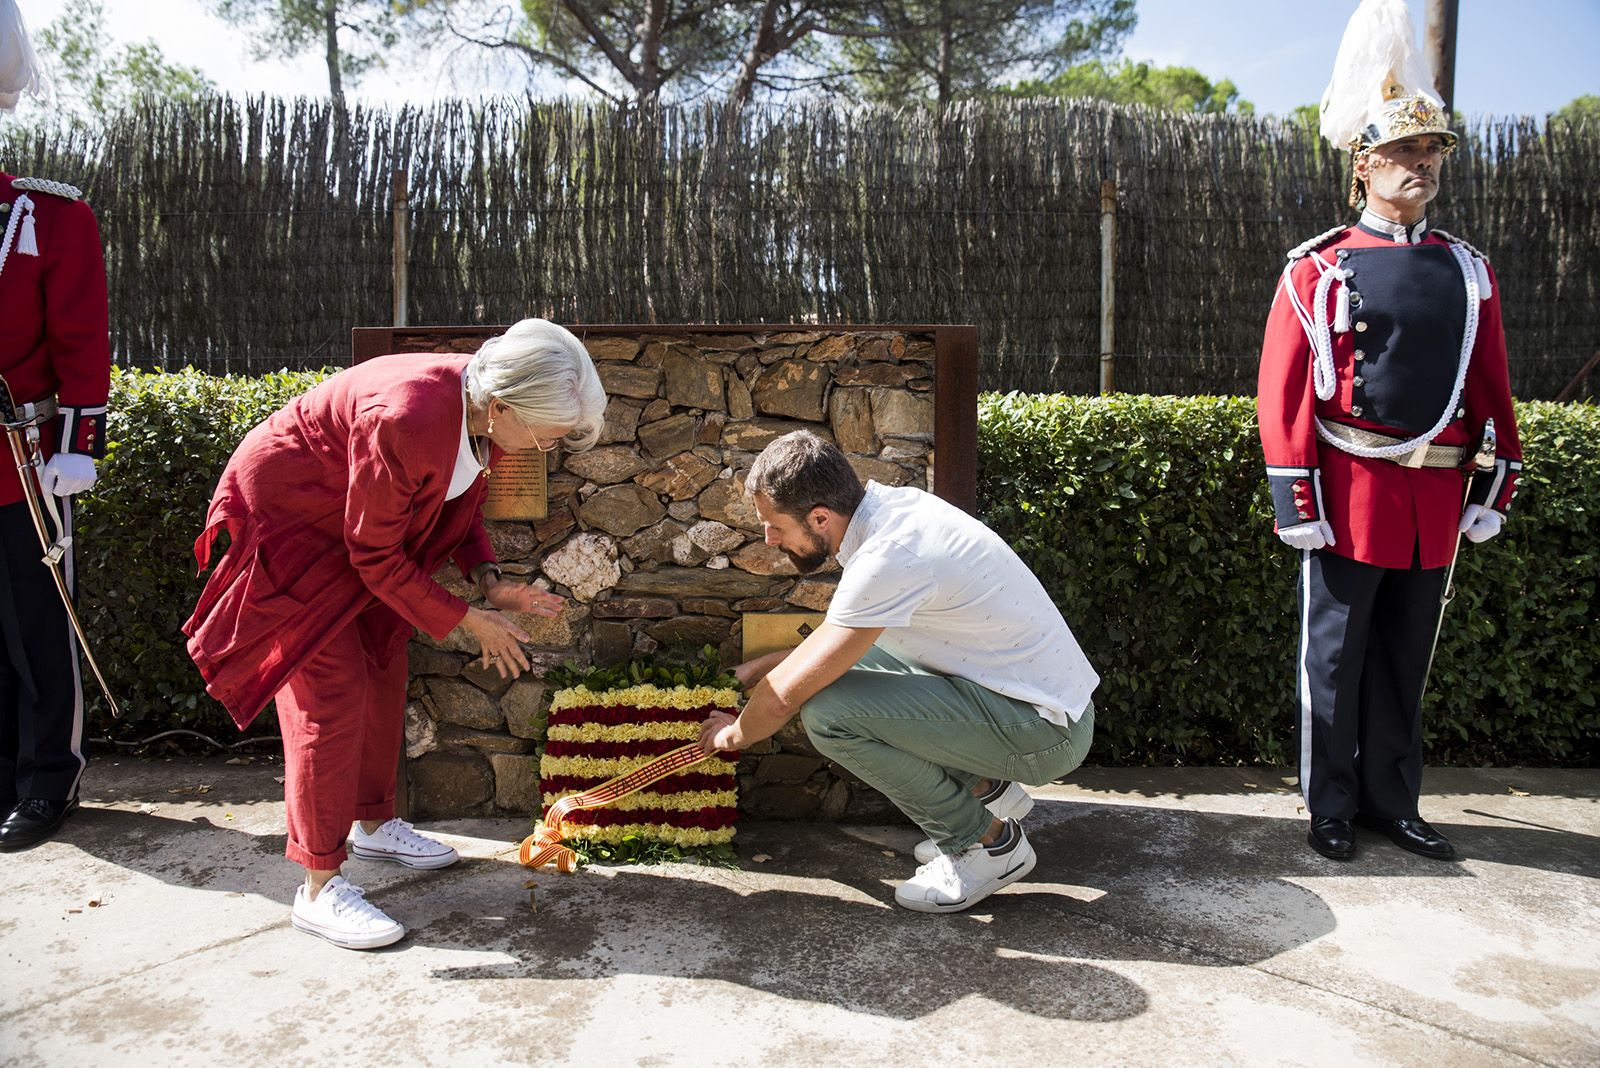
(1414, 836)
(34, 820)
(1332, 838)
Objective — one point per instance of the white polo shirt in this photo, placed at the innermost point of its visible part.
(953, 598)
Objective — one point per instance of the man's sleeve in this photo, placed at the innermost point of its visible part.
(1487, 395)
(881, 588)
(77, 327)
(1286, 409)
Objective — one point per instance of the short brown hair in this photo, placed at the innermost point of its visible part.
(801, 471)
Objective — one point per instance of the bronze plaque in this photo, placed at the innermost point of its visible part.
(518, 488)
(767, 632)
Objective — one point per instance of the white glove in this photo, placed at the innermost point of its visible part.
(1317, 535)
(1480, 524)
(67, 473)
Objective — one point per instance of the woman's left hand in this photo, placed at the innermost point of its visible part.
(509, 596)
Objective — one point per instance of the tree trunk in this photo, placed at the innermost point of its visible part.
(330, 21)
(946, 53)
(759, 53)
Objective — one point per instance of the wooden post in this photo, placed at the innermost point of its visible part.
(1108, 285)
(1570, 390)
(402, 235)
(1441, 49)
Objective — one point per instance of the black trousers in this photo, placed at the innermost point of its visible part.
(1365, 636)
(41, 689)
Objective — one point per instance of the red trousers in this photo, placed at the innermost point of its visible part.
(343, 719)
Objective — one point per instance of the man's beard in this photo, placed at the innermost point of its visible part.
(813, 559)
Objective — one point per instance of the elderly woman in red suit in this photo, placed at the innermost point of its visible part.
(339, 508)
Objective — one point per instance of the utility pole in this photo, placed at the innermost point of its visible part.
(1442, 49)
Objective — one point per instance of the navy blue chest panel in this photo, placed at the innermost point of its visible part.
(1407, 314)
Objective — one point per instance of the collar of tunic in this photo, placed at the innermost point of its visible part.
(1399, 233)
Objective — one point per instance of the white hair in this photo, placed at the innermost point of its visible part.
(19, 67)
(545, 376)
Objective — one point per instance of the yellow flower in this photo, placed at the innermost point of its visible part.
(678, 836)
(602, 768)
(645, 696)
(687, 801)
(623, 732)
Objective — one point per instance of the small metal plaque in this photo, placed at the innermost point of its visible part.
(767, 632)
(518, 487)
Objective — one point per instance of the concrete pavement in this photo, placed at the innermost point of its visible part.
(1176, 918)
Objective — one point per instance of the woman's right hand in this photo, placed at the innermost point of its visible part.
(500, 640)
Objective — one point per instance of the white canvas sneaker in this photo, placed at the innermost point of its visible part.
(397, 841)
(957, 881)
(1012, 804)
(344, 917)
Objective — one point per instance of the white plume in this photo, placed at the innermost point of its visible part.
(1378, 60)
(19, 67)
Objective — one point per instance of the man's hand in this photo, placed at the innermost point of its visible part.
(67, 473)
(510, 596)
(720, 734)
(1480, 524)
(1317, 535)
(499, 638)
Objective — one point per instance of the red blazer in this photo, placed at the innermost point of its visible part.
(54, 330)
(333, 505)
(1382, 513)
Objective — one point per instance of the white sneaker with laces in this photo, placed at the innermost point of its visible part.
(1012, 804)
(397, 841)
(956, 881)
(341, 914)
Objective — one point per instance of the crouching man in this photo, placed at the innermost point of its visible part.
(944, 676)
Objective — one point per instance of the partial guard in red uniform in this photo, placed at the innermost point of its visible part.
(1383, 360)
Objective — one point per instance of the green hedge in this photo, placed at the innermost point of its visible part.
(169, 436)
(1148, 520)
(1146, 517)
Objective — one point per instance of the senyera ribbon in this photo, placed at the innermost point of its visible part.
(544, 845)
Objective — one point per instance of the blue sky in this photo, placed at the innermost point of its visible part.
(1513, 56)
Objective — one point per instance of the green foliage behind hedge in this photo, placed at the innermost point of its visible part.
(169, 436)
(1146, 517)
(1148, 520)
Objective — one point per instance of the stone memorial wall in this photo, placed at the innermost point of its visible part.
(653, 540)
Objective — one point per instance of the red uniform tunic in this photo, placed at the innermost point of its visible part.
(335, 505)
(1396, 362)
(54, 332)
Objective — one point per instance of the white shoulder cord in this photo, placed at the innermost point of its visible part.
(22, 205)
(1319, 333)
(1469, 337)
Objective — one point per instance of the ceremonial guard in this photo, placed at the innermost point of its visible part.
(56, 363)
(1383, 365)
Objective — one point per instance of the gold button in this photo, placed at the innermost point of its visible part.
(1361, 327)
(1355, 410)
(1360, 355)
(1358, 380)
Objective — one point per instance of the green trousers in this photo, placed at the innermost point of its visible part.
(924, 740)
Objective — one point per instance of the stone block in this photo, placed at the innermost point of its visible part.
(788, 767)
(711, 428)
(512, 540)
(726, 502)
(877, 374)
(691, 630)
(899, 414)
(850, 416)
(621, 510)
(612, 348)
(627, 380)
(715, 537)
(486, 679)
(792, 388)
(516, 783)
(886, 474)
(523, 707)
(622, 421)
(460, 702)
(832, 348)
(656, 410)
(704, 606)
(559, 632)
(757, 434)
(430, 660)
(670, 436)
(812, 593)
(421, 733)
(835, 801)
(635, 608)
(607, 465)
(782, 801)
(680, 582)
(759, 558)
(446, 784)
(586, 564)
(484, 741)
(686, 553)
(681, 477)
(740, 404)
(653, 545)
(692, 382)
(613, 643)
(684, 511)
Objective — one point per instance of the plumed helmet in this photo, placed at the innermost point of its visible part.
(1381, 89)
(19, 67)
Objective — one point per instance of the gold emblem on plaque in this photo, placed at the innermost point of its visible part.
(767, 632)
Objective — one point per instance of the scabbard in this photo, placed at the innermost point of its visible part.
(54, 552)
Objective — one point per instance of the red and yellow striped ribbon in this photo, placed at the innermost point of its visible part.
(544, 845)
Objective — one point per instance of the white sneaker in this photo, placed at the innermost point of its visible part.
(1012, 804)
(957, 881)
(397, 841)
(344, 917)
